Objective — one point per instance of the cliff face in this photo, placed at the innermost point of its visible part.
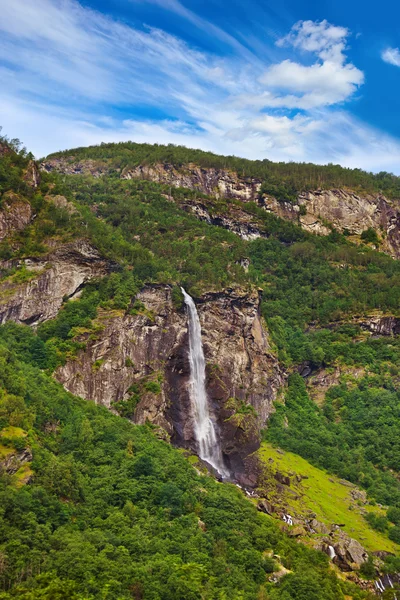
(220, 183)
(344, 210)
(150, 351)
(355, 213)
(50, 278)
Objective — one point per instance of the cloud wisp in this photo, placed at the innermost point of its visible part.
(391, 56)
(72, 76)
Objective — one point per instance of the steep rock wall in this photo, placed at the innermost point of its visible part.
(356, 213)
(237, 221)
(58, 275)
(153, 345)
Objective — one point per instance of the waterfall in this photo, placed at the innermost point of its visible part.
(332, 552)
(204, 427)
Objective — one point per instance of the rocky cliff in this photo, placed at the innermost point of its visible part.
(318, 211)
(38, 294)
(234, 219)
(220, 183)
(146, 354)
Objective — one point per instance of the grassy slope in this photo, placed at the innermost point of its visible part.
(324, 495)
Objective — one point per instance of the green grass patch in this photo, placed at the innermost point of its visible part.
(323, 494)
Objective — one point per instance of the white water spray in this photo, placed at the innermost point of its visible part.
(204, 427)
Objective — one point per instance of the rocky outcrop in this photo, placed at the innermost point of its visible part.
(345, 552)
(69, 166)
(322, 380)
(32, 174)
(355, 213)
(316, 211)
(220, 183)
(128, 349)
(50, 279)
(15, 460)
(243, 375)
(382, 326)
(147, 354)
(63, 203)
(15, 214)
(319, 211)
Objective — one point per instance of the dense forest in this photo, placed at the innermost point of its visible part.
(110, 511)
(282, 177)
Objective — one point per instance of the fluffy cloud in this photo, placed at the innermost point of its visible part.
(320, 37)
(328, 81)
(391, 56)
(72, 76)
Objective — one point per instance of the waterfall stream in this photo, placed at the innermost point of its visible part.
(204, 428)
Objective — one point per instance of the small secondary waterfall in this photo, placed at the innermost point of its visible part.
(204, 427)
(332, 552)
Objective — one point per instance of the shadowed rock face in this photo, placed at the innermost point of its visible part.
(241, 371)
(56, 276)
(128, 349)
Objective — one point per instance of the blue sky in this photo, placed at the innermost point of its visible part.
(286, 80)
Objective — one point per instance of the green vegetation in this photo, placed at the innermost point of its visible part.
(169, 245)
(318, 281)
(370, 236)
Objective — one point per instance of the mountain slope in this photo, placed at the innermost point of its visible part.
(124, 247)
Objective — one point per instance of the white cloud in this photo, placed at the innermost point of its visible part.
(73, 77)
(328, 81)
(391, 56)
(320, 37)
